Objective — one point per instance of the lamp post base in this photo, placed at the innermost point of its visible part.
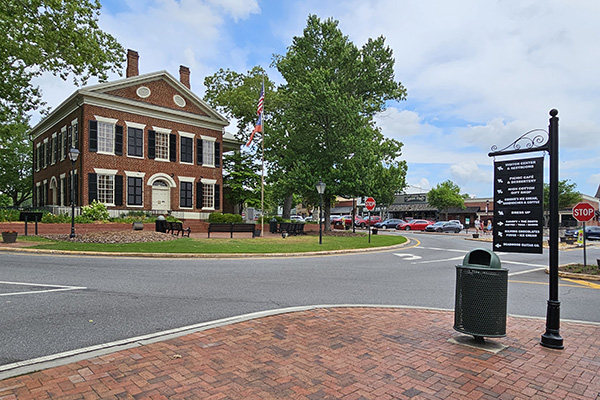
(551, 338)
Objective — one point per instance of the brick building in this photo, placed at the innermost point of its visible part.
(146, 142)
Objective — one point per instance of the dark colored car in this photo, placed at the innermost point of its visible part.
(388, 223)
(591, 232)
(444, 226)
(414, 225)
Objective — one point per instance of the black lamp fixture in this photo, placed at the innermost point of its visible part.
(320, 189)
(73, 155)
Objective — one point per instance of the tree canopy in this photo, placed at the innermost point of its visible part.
(15, 162)
(60, 37)
(567, 195)
(446, 195)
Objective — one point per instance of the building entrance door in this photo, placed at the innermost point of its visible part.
(161, 196)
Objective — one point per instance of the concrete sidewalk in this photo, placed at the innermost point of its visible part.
(333, 353)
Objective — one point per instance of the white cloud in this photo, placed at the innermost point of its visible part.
(468, 172)
(238, 9)
(400, 124)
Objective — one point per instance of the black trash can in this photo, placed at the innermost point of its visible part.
(481, 295)
(161, 224)
(273, 226)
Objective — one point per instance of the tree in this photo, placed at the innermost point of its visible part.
(15, 162)
(446, 195)
(60, 37)
(567, 196)
(332, 91)
(242, 178)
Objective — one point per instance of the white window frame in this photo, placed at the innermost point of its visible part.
(53, 159)
(107, 121)
(38, 162)
(161, 131)
(105, 172)
(206, 141)
(208, 183)
(74, 125)
(190, 136)
(45, 150)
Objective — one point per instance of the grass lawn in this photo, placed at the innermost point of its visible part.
(293, 244)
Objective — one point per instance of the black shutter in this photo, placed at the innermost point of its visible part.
(76, 136)
(118, 140)
(217, 197)
(55, 148)
(92, 187)
(69, 137)
(172, 147)
(60, 146)
(217, 154)
(118, 190)
(93, 136)
(199, 195)
(199, 151)
(151, 145)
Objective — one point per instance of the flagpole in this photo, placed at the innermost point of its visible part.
(262, 179)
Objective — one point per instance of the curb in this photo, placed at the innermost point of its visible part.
(570, 275)
(202, 255)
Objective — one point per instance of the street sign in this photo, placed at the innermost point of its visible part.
(370, 204)
(518, 205)
(583, 212)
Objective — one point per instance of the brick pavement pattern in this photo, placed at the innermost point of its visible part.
(333, 353)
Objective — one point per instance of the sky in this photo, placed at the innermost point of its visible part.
(478, 73)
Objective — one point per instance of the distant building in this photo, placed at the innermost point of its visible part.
(146, 142)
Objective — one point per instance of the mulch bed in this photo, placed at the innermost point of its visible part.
(115, 237)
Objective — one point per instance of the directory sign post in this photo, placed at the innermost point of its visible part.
(518, 205)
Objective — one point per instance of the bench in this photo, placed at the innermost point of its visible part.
(231, 228)
(176, 228)
(291, 228)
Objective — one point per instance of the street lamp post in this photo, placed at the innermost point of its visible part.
(320, 189)
(73, 155)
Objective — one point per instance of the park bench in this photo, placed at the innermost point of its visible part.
(177, 227)
(231, 228)
(291, 228)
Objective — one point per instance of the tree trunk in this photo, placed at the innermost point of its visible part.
(287, 206)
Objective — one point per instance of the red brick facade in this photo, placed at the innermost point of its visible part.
(157, 111)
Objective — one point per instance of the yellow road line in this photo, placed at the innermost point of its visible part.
(584, 283)
(546, 283)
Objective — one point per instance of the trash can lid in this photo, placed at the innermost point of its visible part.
(160, 218)
(482, 258)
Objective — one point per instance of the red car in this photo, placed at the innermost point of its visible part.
(374, 219)
(415, 225)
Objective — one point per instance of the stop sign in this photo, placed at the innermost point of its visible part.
(583, 212)
(370, 203)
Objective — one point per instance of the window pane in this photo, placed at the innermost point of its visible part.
(186, 149)
(186, 194)
(162, 146)
(208, 152)
(208, 196)
(134, 191)
(106, 189)
(106, 137)
(135, 144)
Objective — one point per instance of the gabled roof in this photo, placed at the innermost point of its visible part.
(98, 95)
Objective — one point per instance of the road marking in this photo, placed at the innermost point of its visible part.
(56, 288)
(443, 260)
(544, 283)
(584, 283)
(435, 248)
(527, 271)
(408, 257)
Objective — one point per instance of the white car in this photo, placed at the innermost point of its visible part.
(297, 218)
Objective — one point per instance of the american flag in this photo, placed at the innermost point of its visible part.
(259, 111)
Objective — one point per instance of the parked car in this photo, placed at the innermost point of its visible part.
(373, 219)
(296, 218)
(591, 232)
(345, 220)
(445, 226)
(360, 222)
(458, 222)
(414, 225)
(388, 223)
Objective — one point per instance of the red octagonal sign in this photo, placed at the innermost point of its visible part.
(583, 212)
(370, 203)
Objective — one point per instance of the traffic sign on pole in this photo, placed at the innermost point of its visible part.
(370, 204)
(583, 212)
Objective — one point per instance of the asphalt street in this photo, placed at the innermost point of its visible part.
(51, 304)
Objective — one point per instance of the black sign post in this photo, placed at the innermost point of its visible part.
(534, 141)
(518, 208)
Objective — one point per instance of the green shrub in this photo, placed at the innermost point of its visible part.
(218, 218)
(8, 214)
(95, 211)
(49, 218)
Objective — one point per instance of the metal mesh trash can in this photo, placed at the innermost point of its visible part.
(481, 295)
(161, 224)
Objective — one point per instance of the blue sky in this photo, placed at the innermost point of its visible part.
(478, 73)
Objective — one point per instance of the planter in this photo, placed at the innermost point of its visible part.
(9, 237)
(137, 226)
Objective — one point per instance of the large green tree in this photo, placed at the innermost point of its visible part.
(332, 91)
(567, 195)
(241, 176)
(446, 195)
(15, 162)
(60, 37)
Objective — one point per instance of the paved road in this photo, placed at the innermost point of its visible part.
(97, 300)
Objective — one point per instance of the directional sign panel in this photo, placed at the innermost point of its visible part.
(518, 205)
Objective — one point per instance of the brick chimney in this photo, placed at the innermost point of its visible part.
(132, 63)
(184, 76)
